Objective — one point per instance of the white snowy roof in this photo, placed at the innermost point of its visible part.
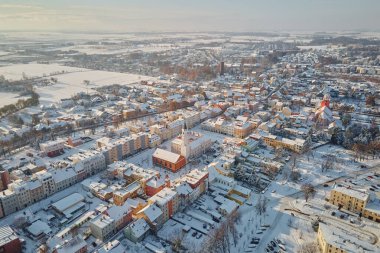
(39, 227)
(68, 202)
(353, 193)
(139, 227)
(347, 240)
(163, 196)
(152, 212)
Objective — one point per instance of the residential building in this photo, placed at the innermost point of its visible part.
(103, 227)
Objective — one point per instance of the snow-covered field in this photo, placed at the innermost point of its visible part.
(119, 49)
(7, 98)
(69, 83)
(72, 83)
(15, 72)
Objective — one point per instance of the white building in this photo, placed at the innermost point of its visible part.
(191, 144)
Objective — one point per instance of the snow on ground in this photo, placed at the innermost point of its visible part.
(119, 49)
(2, 53)
(292, 230)
(72, 83)
(15, 72)
(7, 98)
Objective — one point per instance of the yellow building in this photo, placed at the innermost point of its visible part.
(349, 199)
(357, 202)
(332, 239)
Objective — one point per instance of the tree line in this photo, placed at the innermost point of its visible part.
(20, 104)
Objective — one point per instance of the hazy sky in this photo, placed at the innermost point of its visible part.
(189, 15)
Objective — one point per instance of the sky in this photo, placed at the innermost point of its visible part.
(189, 15)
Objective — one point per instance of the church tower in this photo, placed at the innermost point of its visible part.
(185, 146)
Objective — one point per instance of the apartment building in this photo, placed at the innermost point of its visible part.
(349, 199)
(102, 227)
(297, 145)
(191, 118)
(9, 202)
(333, 239)
(47, 181)
(53, 148)
(88, 163)
(356, 201)
(168, 201)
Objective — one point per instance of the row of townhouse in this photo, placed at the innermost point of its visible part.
(234, 128)
(118, 149)
(22, 193)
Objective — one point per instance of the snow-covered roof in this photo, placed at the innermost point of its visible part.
(353, 193)
(347, 240)
(67, 202)
(139, 227)
(152, 212)
(39, 227)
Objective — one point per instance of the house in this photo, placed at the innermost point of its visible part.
(137, 230)
(153, 215)
(103, 227)
(168, 201)
(121, 214)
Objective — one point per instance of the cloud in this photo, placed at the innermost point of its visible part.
(20, 6)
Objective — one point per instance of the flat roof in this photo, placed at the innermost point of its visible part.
(68, 202)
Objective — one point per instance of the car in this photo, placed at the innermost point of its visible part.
(282, 247)
(194, 234)
(325, 185)
(204, 226)
(267, 250)
(270, 247)
(198, 236)
(273, 243)
(273, 191)
(259, 232)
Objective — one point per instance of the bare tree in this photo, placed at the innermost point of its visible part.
(177, 241)
(328, 163)
(308, 191)
(262, 204)
(293, 161)
(295, 175)
(308, 247)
